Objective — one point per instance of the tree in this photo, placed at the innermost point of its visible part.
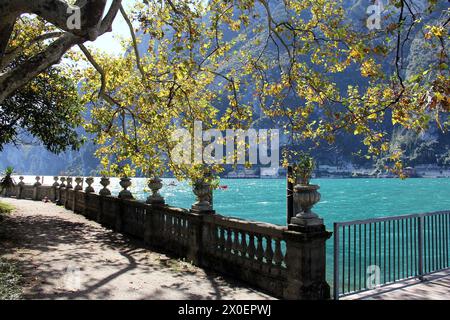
(14, 76)
(48, 109)
(198, 54)
(37, 98)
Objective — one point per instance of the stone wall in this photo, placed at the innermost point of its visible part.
(286, 263)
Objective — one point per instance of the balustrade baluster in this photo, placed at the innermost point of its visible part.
(269, 250)
(222, 240)
(251, 246)
(244, 244)
(260, 249)
(278, 255)
(236, 246)
(229, 243)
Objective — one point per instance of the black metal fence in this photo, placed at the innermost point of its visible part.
(375, 252)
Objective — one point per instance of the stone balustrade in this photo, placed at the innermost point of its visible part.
(287, 262)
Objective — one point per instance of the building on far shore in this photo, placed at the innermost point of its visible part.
(269, 173)
(243, 174)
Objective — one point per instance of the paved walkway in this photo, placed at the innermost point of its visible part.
(435, 287)
(65, 256)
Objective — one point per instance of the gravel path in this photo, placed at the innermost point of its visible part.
(65, 256)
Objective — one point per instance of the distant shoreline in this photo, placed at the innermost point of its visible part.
(337, 177)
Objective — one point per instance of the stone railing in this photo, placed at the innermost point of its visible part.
(287, 262)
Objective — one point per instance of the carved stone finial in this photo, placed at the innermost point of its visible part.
(63, 184)
(305, 197)
(38, 183)
(89, 188)
(69, 183)
(78, 181)
(104, 181)
(155, 184)
(203, 191)
(125, 183)
(56, 184)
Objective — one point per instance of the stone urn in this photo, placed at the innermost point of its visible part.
(38, 182)
(89, 188)
(63, 184)
(20, 185)
(202, 190)
(155, 184)
(104, 181)
(305, 197)
(78, 181)
(55, 184)
(125, 183)
(69, 183)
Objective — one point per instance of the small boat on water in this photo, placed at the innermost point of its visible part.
(224, 187)
(172, 184)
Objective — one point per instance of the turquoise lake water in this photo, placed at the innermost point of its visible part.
(342, 199)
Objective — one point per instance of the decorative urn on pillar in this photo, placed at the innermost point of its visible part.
(104, 181)
(89, 188)
(21, 183)
(63, 182)
(69, 183)
(125, 183)
(202, 190)
(78, 181)
(305, 196)
(155, 184)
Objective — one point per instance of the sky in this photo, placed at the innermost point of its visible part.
(110, 42)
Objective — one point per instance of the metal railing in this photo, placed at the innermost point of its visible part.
(374, 252)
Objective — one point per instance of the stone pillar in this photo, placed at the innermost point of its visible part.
(306, 249)
(68, 187)
(125, 183)
(306, 265)
(125, 194)
(89, 188)
(36, 186)
(195, 237)
(20, 187)
(155, 199)
(104, 181)
(55, 189)
(104, 192)
(62, 188)
(203, 192)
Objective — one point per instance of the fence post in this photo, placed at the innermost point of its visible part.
(420, 246)
(336, 262)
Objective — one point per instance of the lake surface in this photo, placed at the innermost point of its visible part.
(342, 199)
